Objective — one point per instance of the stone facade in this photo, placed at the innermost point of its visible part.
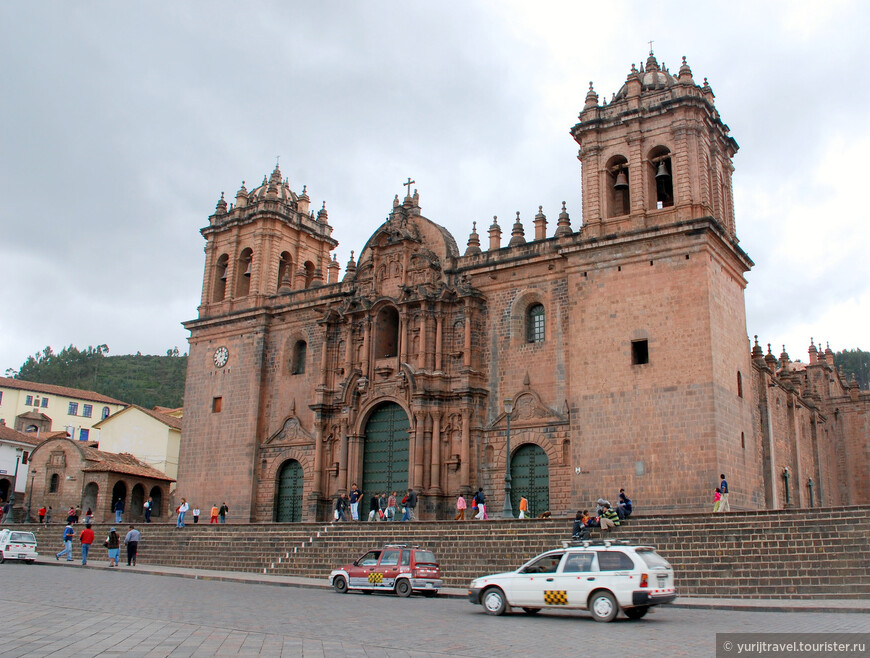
(621, 344)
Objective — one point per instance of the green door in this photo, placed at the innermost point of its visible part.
(290, 481)
(385, 453)
(530, 477)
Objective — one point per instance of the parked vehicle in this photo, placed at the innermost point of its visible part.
(17, 545)
(394, 567)
(602, 577)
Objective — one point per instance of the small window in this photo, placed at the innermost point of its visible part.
(578, 562)
(614, 561)
(743, 440)
(297, 361)
(739, 384)
(87, 410)
(52, 487)
(406, 559)
(24, 457)
(44, 403)
(545, 564)
(216, 405)
(106, 412)
(639, 352)
(370, 559)
(390, 558)
(535, 324)
(28, 400)
(73, 408)
(84, 434)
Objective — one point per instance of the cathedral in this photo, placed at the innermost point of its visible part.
(557, 363)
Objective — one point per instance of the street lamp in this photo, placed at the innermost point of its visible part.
(30, 495)
(508, 512)
(15, 480)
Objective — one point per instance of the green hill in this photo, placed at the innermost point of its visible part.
(140, 379)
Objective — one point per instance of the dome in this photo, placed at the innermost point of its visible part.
(282, 191)
(651, 78)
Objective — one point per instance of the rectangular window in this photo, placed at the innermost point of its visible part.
(24, 457)
(84, 434)
(216, 405)
(73, 408)
(45, 403)
(639, 352)
(28, 400)
(87, 410)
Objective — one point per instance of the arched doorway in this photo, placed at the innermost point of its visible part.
(119, 491)
(5, 488)
(385, 451)
(530, 477)
(89, 500)
(156, 502)
(288, 499)
(137, 502)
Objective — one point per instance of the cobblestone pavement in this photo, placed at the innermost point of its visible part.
(48, 611)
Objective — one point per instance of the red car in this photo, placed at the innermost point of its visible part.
(393, 568)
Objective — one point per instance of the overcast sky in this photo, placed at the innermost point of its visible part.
(122, 123)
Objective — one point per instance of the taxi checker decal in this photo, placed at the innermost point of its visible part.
(555, 597)
(376, 578)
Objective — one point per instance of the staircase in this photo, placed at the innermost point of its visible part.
(806, 553)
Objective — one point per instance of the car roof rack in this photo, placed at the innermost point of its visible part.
(401, 546)
(585, 543)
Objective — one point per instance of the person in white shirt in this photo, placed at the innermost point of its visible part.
(182, 510)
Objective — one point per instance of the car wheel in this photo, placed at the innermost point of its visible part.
(531, 611)
(636, 613)
(340, 584)
(403, 588)
(494, 602)
(603, 606)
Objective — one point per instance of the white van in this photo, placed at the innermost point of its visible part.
(17, 545)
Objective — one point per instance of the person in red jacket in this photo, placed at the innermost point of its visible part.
(86, 538)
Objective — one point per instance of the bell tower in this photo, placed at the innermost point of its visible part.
(658, 153)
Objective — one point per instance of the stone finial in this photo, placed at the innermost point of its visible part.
(540, 224)
(707, 90)
(591, 98)
(784, 358)
(518, 235)
(563, 226)
(494, 234)
(685, 74)
(243, 191)
(350, 268)
(651, 62)
(322, 215)
(221, 206)
(769, 359)
(473, 241)
(757, 352)
(276, 175)
(813, 353)
(332, 270)
(304, 194)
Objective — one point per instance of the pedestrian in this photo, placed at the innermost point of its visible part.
(608, 514)
(119, 510)
(481, 504)
(182, 510)
(89, 516)
(717, 498)
(78, 513)
(579, 531)
(382, 506)
(113, 544)
(69, 534)
(461, 506)
(355, 495)
(196, 515)
(86, 537)
(406, 514)
(147, 507)
(723, 488)
(524, 507)
(41, 514)
(623, 505)
(131, 541)
(48, 515)
(71, 515)
(223, 511)
(392, 504)
(373, 508)
(7, 512)
(340, 506)
(214, 513)
(412, 505)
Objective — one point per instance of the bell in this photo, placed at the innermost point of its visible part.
(223, 276)
(248, 269)
(621, 181)
(662, 171)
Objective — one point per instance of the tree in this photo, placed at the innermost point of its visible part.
(855, 362)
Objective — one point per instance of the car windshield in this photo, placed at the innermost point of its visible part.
(24, 537)
(425, 557)
(652, 558)
(544, 564)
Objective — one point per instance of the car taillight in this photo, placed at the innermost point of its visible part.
(644, 580)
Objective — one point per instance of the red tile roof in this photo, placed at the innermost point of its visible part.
(51, 389)
(110, 462)
(10, 434)
(171, 421)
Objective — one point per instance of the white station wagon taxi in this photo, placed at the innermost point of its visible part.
(602, 577)
(17, 545)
